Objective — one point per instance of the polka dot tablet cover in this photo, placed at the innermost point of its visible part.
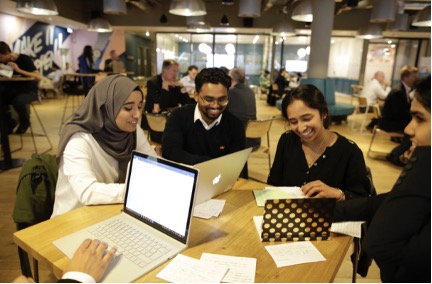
(302, 219)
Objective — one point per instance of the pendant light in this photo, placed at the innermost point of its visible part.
(188, 8)
(224, 21)
(99, 25)
(370, 32)
(423, 18)
(303, 12)
(283, 29)
(114, 7)
(37, 7)
(250, 8)
(383, 11)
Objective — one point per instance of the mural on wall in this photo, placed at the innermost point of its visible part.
(46, 44)
(41, 42)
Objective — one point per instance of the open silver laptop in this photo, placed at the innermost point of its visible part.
(159, 202)
(219, 175)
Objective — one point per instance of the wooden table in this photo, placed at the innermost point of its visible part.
(8, 163)
(232, 233)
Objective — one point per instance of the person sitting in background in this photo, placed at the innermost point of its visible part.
(96, 145)
(242, 102)
(375, 89)
(164, 92)
(188, 81)
(18, 94)
(264, 80)
(396, 113)
(55, 75)
(88, 265)
(323, 163)
(114, 64)
(282, 81)
(399, 234)
(197, 133)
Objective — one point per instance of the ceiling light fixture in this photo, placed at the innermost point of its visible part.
(114, 7)
(163, 19)
(401, 23)
(423, 18)
(198, 28)
(188, 8)
(369, 32)
(283, 29)
(250, 8)
(37, 7)
(227, 2)
(99, 25)
(303, 12)
(224, 21)
(383, 11)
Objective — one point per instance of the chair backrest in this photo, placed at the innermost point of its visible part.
(356, 89)
(36, 190)
(377, 111)
(156, 122)
(362, 101)
(258, 128)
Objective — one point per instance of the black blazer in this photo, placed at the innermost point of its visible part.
(396, 110)
(399, 235)
(165, 99)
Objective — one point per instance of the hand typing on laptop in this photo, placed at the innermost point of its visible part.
(88, 264)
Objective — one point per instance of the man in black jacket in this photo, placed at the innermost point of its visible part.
(396, 112)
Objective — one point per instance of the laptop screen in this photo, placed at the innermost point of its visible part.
(161, 194)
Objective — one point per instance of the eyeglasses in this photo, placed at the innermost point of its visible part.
(209, 100)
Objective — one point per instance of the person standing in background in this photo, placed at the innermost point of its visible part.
(86, 66)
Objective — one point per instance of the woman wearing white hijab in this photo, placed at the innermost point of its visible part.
(95, 146)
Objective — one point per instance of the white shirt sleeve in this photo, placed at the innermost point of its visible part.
(79, 276)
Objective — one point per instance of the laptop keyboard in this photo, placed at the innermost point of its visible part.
(132, 243)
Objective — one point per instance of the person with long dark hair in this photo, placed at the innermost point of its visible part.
(399, 234)
(323, 163)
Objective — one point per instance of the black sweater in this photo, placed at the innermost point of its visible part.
(188, 142)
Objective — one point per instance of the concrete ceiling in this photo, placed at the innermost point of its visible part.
(144, 15)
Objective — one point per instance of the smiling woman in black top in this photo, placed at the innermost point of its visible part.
(323, 163)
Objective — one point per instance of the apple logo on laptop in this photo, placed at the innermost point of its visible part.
(216, 179)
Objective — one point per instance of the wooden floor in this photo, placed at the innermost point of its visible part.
(51, 111)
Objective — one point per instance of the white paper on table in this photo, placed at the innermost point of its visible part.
(190, 270)
(258, 224)
(241, 269)
(347, 228)
(208, 209)
(294, 253)
(281, 192)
